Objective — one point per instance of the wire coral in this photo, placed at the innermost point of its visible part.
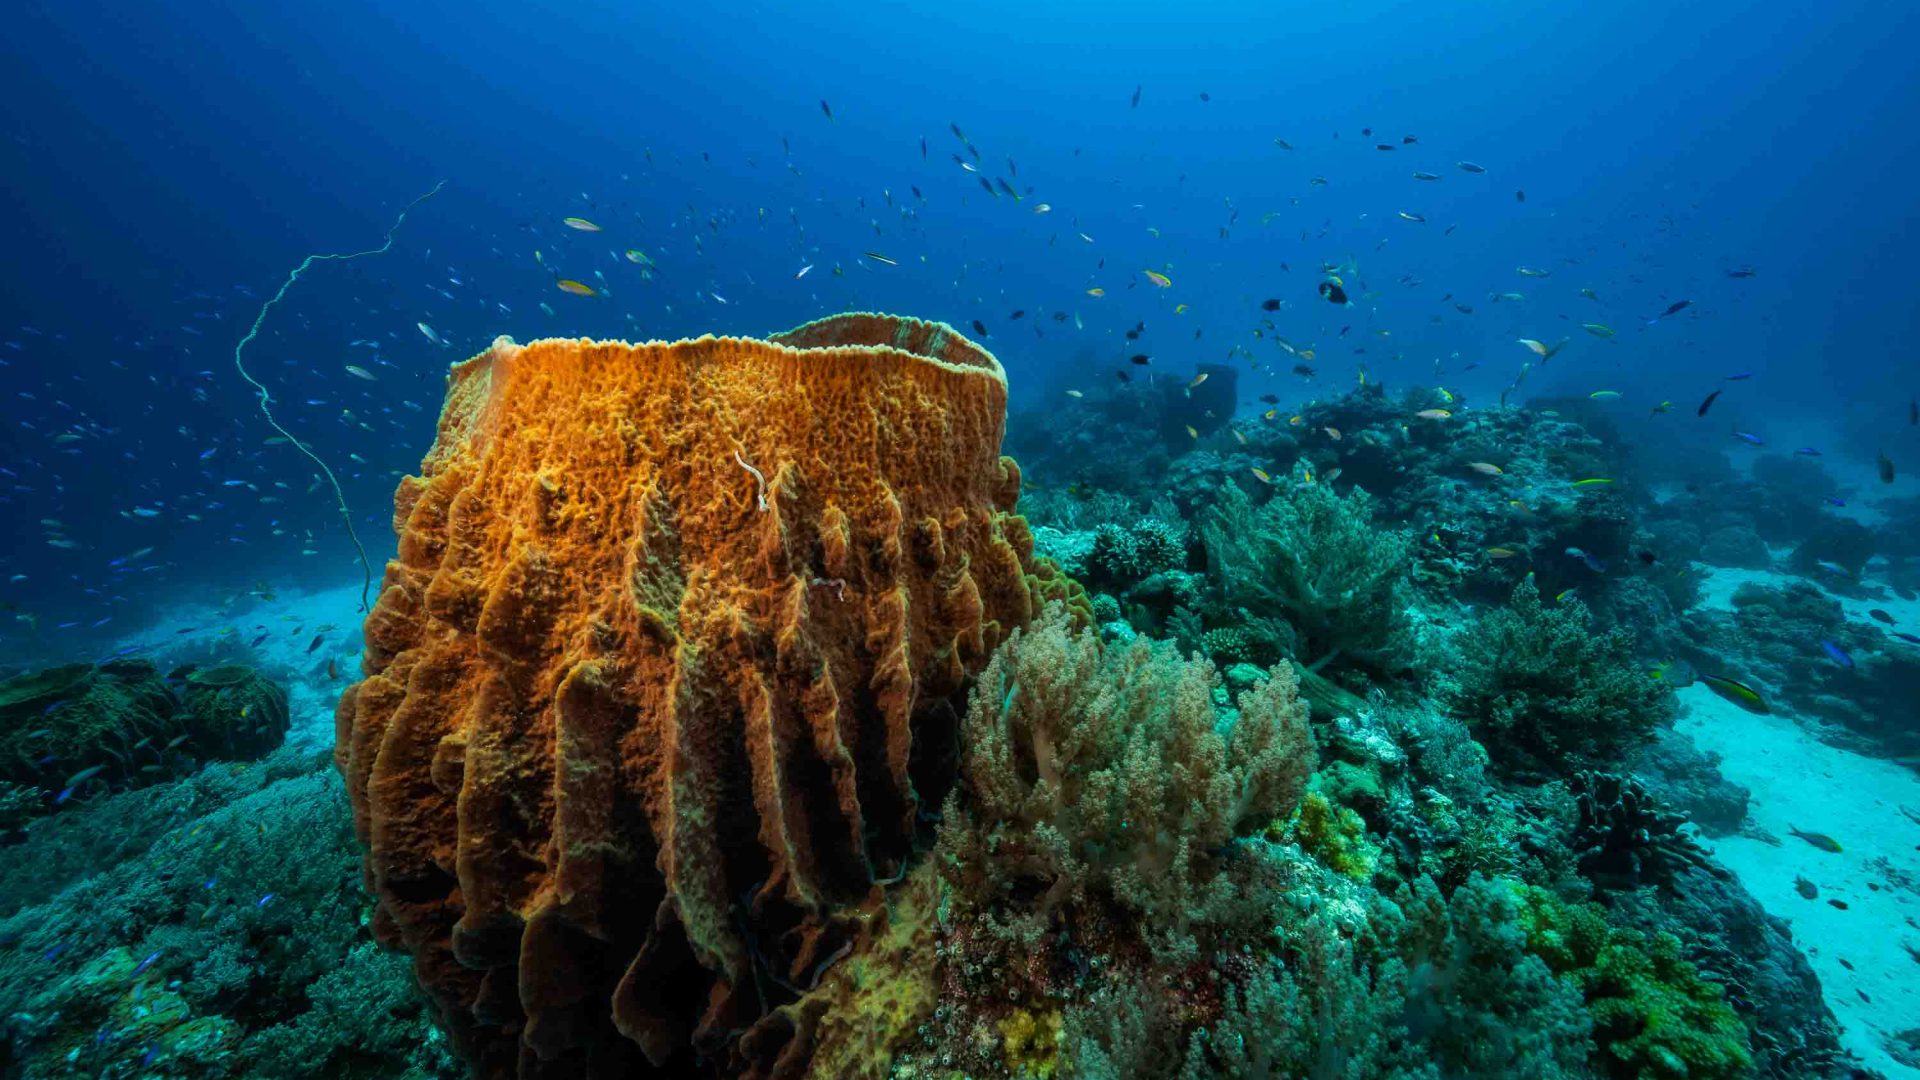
(1318, 560)
(1109, 777)
(629, 745)
(1543, 691)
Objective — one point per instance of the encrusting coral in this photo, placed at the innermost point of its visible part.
(664, 671)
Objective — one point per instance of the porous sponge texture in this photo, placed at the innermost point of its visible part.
(665, 667)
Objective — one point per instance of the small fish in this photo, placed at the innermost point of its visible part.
(148, 962)
(580, 223)
(1468, 166)
(315, 643)
(1707, 404)
(1805, 888)
(1674, 308)
(1140, 359)
(1675, 673)
(1738, 693)
(1528, 271)
(1837, 654)
(1434, 414)
(263, 901)
(1749, 438)
(1418, 219)
(1096, 291)
(1197, 380)
(879, 258)
(1593, 481)
(1418, 175)
(1878, 615)
(1075, 394)
(803, 272)
(1592, 562)
(1541, 349)
(359, 372)
(84, 775)
(1501, 553)
(430, 335)
(1599, 330)
(568, 285)
(1136, 98)
(1261, 475)
(1162, 280)
(1886, 468)
(1820, 840)
(638, 257)
(1741, 272)
(828, 110)
(1332, 433)
(1333, 291)
(1604, 395)
(1192, 433)
(1485, 468)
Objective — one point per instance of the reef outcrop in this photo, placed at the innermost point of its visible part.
(666, 667)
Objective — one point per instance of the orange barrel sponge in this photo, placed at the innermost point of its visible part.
(666, 666)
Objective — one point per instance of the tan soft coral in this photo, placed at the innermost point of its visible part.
(665, 668)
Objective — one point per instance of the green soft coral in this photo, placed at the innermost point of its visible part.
(1653, 1014)
(1334, 836)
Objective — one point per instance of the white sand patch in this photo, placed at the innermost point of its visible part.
(1800, 782)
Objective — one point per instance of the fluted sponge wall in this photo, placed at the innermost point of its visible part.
(638, 722)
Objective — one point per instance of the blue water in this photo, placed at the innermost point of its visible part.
(166, 165)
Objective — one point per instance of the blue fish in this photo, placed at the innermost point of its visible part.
(1749, 437)
(1838, 654)
(1807, 451)
(1592, 562)
(1832, 501)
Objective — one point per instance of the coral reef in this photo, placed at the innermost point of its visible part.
(233, 945)
(665, 669)
(78, 730)
(1543, 691)
(1625, 839)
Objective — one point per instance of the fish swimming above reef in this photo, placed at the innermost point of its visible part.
(1739, 693)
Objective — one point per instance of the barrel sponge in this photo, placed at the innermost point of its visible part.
(668, 661)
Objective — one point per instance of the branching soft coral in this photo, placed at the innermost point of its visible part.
(1109, 776)
(1317, 559)
(1544, 691)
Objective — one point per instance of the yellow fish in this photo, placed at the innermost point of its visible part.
(1542, 349)
(1591, 481)
(1096, 291)
(1261, 475)
(1197, 380)
(1433, 414)
(1242, 438)
(580, 223)
(1485, 468)
(1501, 553)
(1604, 395)
(1597, 329)
(1179, 309)
(1161, 280)
(1191, 433)
(568, 285)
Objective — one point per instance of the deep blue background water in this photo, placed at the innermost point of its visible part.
(165, 165)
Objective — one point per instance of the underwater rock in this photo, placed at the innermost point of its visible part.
(80, 728)
(1688, 779)
(1205, 408)
(1736, 546)
(665, 670)
(232, 712)
(1842, 542)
